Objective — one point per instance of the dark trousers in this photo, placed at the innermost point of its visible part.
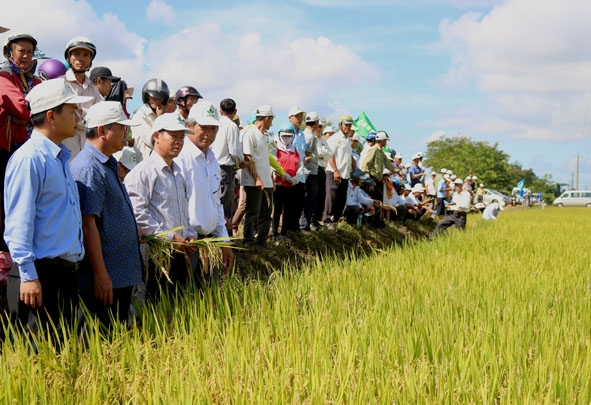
(284, 204)
(59, 284)
(310, 198)
(456, 218)
(4, 156)
(336, 198)
(440, 207)
(351, 212)
(400, 213)
(118, 311)
(157, 283)
(203, 277)
(320, 197)
(416, 216)
(257, 215)
(299, 195)
(227, 191)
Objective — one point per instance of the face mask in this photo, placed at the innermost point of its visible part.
(287, 140)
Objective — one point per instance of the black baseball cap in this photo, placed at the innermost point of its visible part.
(104, 73)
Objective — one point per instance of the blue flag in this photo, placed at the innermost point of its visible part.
(520, 186)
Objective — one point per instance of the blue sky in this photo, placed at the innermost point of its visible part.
(516, 72)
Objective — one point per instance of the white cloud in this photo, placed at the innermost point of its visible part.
(273, 64)
(57, 21)
(529, 58)
(158, 10)
(435, 136)
(283, 73)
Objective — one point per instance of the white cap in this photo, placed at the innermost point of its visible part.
(459, 181)
(415, 156)
(407, 186)
(443, 171)
(204, 113)
(481, 185)
(294, 111)
(418, 188)
(398, 156)
(312, 116)
(446, 177)
(126, 157)
(454, 177)
(52, 93)
(449, 172)
(474, 178)
(419, 155)
(382, 135)
(170, 122)
(264, 111)
(356, 137)
(107, 112)
(329, 128)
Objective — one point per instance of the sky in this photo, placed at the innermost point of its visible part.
(516, 73)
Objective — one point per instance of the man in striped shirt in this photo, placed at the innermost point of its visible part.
(160, 200)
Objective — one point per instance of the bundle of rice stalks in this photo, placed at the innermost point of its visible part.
(161, 249)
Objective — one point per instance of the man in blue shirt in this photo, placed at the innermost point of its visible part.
(415, 172)
(113, 263)
(43, 223)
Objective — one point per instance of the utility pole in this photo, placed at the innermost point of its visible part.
(577, 171)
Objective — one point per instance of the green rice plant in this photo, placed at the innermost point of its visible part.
(161, 248)
(498, 313)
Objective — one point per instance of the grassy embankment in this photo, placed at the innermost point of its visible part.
(499, 313)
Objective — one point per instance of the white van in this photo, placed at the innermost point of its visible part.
(574, 198)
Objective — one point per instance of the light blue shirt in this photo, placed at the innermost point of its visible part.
(301, 147)
(42, 208)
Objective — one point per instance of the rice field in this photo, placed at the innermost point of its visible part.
(499, 313)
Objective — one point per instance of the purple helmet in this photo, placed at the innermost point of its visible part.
(50, 69)
(187, 91)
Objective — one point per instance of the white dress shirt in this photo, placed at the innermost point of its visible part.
(142, 133)
(227, 147)
(87, 88)
(462, 202)
(324, 151)
(356, 197)
(203, 175)
(341, 150)
(254, 143)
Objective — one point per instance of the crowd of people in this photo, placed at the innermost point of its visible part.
(84, 183)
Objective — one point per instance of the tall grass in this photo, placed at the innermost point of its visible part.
(499, 313)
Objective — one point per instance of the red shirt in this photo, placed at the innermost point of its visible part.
(14, 109)
(289, 161)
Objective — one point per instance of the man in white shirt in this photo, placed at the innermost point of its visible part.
(228, 151)
(459, 206)
(358, 202)
(202, 173)
(323, 155)
(338, 171)
(492, 211)
(155, 96)
(256, 179)
(79, 53)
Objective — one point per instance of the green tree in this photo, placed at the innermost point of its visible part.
(491, 165)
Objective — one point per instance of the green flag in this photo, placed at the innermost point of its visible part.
(362, 125)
